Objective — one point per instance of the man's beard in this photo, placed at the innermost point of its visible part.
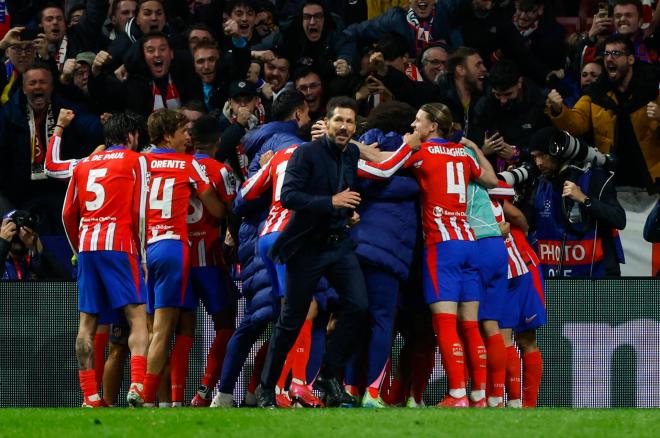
(304, 132)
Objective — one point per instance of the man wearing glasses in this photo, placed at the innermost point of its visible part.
(309, 83)
(621, 112)
(19, 54)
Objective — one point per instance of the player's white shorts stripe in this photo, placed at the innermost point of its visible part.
(110, 236)
(93, 245)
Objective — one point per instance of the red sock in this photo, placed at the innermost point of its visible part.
(100, 342)
(259, 360)
(216, 357)
(286, 369)
(423, 364)
(179, 366)
(496, 365)
(451, 349)
(476, 353)
(512, 373)
(88, 382)
(532, 372)
(138, 368)
(302, 348)
(151, 384)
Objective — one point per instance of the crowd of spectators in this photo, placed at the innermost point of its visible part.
(504, 68)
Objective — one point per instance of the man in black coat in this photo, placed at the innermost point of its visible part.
(315, 243)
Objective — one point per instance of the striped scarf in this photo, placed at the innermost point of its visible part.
(422, 29)
(172, 99)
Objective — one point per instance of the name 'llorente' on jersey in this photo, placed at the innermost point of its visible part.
(173, 179)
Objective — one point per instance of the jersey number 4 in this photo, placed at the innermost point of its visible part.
(456, 181)
(164, 203)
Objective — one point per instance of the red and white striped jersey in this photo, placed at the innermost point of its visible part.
(105, 203)
(499, 194)
(203, 228)
(54, 167)
(173, 179)
(443, 170)
(271, 175)
(386, 168)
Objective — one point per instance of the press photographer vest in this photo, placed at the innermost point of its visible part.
(579, 250)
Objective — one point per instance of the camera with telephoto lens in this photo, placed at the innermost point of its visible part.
(570, 149)
(22, 218)
(524, 172)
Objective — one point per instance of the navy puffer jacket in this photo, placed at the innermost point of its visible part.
(386, 233)
(256, 283)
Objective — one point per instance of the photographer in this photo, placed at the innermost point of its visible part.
(23, 253)
(576, 211)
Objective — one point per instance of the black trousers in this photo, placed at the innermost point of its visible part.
(340, 266)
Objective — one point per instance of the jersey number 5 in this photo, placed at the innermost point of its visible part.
(96, 188)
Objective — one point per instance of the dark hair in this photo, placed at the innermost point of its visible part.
(194, 105)
(48, 5)
(636, 3)
(72, 10)
(38, 65)
(340, 102)
(459, 57)
(303, 71)
(504, 75)
(391, 116)
(199, 26)
(232, 4)
(205, 130)
(164, 122)
(207, 45)
(287, 102)
(115, 6)
(620, 39)
(392, 46)
(152, 36)
(141, 2)
(119, 125)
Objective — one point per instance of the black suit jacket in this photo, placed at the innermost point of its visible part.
(312, 178)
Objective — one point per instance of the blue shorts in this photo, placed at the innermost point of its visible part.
(110, 316)
(450, 272)
(168, 262)
(525, 310)
(212, 287)
(493, 266)
(276, 271)
(108, 280)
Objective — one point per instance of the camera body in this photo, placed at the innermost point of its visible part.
(23, 218)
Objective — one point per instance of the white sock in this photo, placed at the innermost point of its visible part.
(477, 395)
(177, 404)
(458, 393)
(164, 405)
(494, 401)
(515, 403)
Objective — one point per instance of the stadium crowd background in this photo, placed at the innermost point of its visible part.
(505, 70)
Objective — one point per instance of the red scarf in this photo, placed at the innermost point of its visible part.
(172, 100)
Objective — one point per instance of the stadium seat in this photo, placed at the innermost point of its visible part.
(571, 24)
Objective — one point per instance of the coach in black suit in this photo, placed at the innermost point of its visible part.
(315, 243)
